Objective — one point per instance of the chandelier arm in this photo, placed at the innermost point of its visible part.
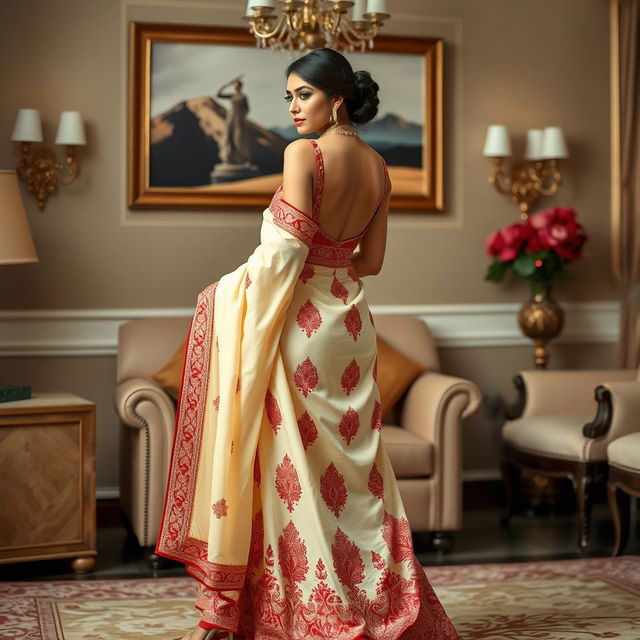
(266, 34)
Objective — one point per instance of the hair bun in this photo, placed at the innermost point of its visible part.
(366, 100)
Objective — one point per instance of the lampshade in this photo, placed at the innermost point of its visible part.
(16, 243)
(70, 128)
(28, 127)
(533, 150)
(553, 144)
(497, 143)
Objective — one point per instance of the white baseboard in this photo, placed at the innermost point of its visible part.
(94, 332)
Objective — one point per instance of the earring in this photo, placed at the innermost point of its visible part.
(335, 114)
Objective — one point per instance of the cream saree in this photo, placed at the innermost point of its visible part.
(281, 500)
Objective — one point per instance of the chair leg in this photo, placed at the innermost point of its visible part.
(582, 486)
(442, 541)
(620, 506)
(510, 476)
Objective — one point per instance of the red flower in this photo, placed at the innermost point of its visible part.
(557, 230)
(506, 243)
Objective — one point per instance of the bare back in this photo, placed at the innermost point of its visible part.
(354, 186)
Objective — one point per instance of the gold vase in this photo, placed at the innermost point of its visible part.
(541, 319)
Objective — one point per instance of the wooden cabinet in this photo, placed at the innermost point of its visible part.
(47, 480)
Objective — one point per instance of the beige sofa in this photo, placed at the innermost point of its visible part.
(422, 434)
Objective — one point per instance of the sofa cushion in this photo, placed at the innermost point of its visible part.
(395, 372)
(556, 436)
(411, 456)
(625, 452)
(169, 377)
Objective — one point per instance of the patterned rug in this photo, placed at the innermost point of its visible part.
(559, 600)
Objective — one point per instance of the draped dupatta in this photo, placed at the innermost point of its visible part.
(230, 351)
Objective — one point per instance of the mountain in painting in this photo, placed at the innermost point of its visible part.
(184, 144)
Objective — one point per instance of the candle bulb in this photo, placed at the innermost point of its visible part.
(377, 6)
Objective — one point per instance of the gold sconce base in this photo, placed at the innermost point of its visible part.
(526, 181)
(39, 169)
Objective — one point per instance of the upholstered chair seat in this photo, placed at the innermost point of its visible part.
(623, 482)
(560, 427)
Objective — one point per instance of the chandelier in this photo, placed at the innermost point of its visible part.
(311, 24)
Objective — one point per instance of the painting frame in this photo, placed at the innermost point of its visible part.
(141, 195)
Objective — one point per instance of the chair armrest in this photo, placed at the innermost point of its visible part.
(562, 392)
(618, 410)
(133, 399)
(431, 398)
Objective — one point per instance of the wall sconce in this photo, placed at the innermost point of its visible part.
(39, 168)
(532, 177)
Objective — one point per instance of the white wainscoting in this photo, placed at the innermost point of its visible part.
(93, 332)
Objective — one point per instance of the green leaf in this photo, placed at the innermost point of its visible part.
(524, 265)
(496, 270)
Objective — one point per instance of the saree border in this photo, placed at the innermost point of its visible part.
(174, 541)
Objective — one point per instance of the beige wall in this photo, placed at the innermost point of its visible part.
(524, 63)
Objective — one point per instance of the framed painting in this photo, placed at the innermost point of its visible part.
(208, 123)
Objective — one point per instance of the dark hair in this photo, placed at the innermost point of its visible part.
(331, 72)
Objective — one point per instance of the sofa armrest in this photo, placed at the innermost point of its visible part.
(618, 410)
(130, 396)
(431, 397)
(562, 392)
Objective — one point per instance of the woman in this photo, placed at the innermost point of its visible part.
(281, 499)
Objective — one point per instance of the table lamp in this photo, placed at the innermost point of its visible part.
(16, 247)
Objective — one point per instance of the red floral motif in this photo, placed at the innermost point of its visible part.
(339, 290)
(375, 369)
(216, 402)
(217, 344)
(353, 322)
(273, 411)
(247, 281)
(350, 377)
(349, 425)
(376, 482)
(307, 273)
(287, 482)
(306, 376)
(220, 508)
(292, 554)
(377, 560)
(376, 416)
(309, 318)
(308, 430)
(347, 561)
(321, 572)
(333, 489)
(397, 535)
(353, 273)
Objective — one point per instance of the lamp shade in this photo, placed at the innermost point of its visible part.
(70, 128)
(553, 144)
(28, 127)
(533, 150)
(16, 243)
(497, 143)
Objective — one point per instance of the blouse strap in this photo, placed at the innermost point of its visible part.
(317, 194)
